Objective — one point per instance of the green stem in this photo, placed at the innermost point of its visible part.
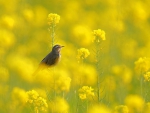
(52, 36)
(141, 85)
(54, 81)
(52, 30)
(97, 67)
(76, 109)
(87, 106)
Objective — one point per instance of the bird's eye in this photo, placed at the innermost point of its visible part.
(57, 46)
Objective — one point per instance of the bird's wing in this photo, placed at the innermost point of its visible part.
(45, 60)
(50, 59)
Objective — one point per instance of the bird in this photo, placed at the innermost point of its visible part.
(51, 59)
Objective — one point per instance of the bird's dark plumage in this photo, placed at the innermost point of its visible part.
(51, 59)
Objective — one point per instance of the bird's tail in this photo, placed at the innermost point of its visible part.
(41, 67)
(36, 71)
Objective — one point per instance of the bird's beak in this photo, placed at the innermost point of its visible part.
(62, 46)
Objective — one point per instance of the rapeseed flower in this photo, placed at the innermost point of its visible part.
(28, 14)
(123, 73)
(8, 21)
(36, 102)
(82, 53)
(99, 35)
(85, 92)
(82, 35)
(19, 64)
(98, 109)
(7, 39)
(18, 99)
(147, 76)
(53, 19)
(135, 103)
(63, 83)
(89, 73)
(32, 95)
(142, 65)
(121, 109)
(147, 108)
(4, 74)
(59, 105)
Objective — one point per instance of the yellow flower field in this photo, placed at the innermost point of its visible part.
(105, 62)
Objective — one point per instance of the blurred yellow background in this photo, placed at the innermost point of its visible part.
(25, 40)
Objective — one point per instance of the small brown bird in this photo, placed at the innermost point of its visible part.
(51, 59)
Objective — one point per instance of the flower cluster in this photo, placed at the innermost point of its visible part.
(63, 83)
(82, 53)
(98, 35)
(121, 109)
(147, 76)
(99, 109)
(147, 108)
(85, 92)
(19, 98)
(37, 102)
(59, 105)
(53, 19)
(135, 103)
(142, 65)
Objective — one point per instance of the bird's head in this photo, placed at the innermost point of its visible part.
(57, 48)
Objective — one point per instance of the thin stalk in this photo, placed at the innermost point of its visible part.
(76, 109)
(54, 82)
(52, 29)
(97, 67)
(141, 85)
(52, 34)
(87, 105)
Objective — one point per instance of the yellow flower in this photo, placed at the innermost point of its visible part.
(59, 105)
(7, 39)
(19, 95)
(147, 108)
(41, 104)
(135, 103)
(4, 74)
(19, 63)
(123, 73)
(82, 53)
(121, 109)
(34, 100)
(32, 95)
(147, 76)
(85, 92)
(8, 21)
(82, 96)
(83, 34)
(98, 109)
(18, 99)
(63, 83)
(142, 65)
(81, 73)
(53, 19)
(99, 35)
(28, 14)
